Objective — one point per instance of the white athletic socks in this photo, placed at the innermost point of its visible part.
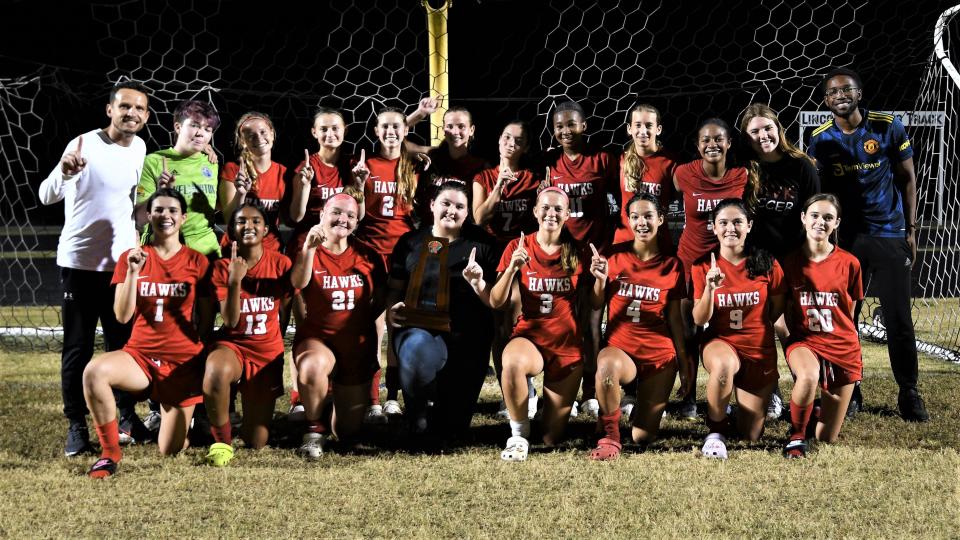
(520, 429)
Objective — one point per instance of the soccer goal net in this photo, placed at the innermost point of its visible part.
(506, 59)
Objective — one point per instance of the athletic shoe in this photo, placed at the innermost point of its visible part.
(219, 455)
(391, 408)
(627, 403)
(574, 410)
(687, 410)
(132, 431)
(795, 449)
(374, 415)
(312, 447)
(590, 408)
(911, 406)
(715, 446)
(775, 407)
(856, 403)
(78, 440)
(516, 449)
(296, 413)
(532, 403)
(152, 421)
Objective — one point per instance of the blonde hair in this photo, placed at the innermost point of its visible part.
(245, 157)
(568, 249)
(633, 165)
(760, 110)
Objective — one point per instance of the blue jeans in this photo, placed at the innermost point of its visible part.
(421, 355)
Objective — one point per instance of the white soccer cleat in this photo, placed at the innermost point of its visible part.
(312, 447)
(516, 449)
(590, 408)
(391, 408)
(152, 421)
(715, 446)
(374, 415)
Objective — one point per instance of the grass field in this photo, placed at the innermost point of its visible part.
(884, 479)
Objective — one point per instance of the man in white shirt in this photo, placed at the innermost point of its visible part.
(95, 179)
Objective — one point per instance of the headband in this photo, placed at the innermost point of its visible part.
(556, 189)
(338, 195)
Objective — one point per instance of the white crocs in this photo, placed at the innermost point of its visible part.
(715, 446)
(516, 449)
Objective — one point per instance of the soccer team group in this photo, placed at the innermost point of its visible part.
(560, 264)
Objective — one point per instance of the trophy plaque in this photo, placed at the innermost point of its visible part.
(428, 292)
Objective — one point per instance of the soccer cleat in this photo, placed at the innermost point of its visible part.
(516, 449)
(219, 455)
(152, 421)
(627, 403)
(374, 415)
(78, 440)
(312, 446)
(775, 407)
(795, 449)
(103, 468)
(606, 450)
(590, 408)
(391, 408)
(911, 406)
(296, 413)
(532, 403)
(133, 431)
(715, 446)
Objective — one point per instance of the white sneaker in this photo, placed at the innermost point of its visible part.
(627, 403)
(152, 421)
(590, 408)
(516, 449)
(574, 410)
(297, 413)
(531, 407)
(775, 407)
(392, 408)
(312, 447)
(374, 415)
(715, 446)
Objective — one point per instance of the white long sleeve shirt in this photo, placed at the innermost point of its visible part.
(98, 202)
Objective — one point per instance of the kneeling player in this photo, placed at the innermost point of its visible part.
(248, 352)
(156, 287)
(543, 271)
(825, 284)
(644, 327)
(342, 284)
(740, 293)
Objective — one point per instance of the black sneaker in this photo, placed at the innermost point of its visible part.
(78, 440)
(856, 403)
(133, 431)
(911, 406)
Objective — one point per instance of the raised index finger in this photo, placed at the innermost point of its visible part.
(164, 161)
(233, 250)
(520, 245)
(306, 158)
(594, 250)
(363, 156)
(79, 145)
(473, 255)
(713, 260)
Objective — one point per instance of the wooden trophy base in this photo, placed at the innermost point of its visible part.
(428, 320)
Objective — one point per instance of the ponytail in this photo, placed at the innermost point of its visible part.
(406, 177)
(568, 252)
(633, 165)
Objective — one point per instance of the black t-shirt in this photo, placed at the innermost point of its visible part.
(784, 186)
(468, 315)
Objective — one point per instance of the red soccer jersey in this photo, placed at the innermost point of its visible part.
(387, 216)
(822, 296)
(637, 296)
(267, 192)
(166, 290)
(700, 196)
(740, 307)
(262, 291)
(327, 182)
(340, 291)
(444, 168)
(514, 213)
(657, 180)
(587, 182)
(548, 297)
